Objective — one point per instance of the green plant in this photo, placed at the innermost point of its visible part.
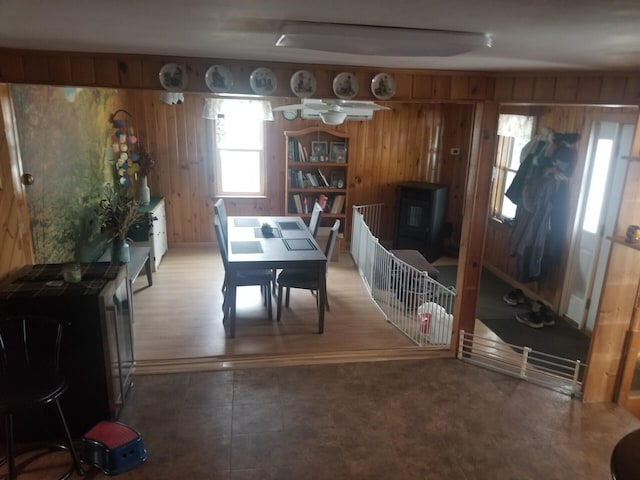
(119, 212)
(145, 161)
(266, 226)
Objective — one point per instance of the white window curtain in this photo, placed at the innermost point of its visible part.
(518, 126)
(217, 108)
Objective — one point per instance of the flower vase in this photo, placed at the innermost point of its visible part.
(144, 194)
(120, 252)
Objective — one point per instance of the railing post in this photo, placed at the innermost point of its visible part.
(576, 376)
(460, 344)
(523, 366)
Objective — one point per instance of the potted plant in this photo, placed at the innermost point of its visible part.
(119, 212)
(267, 229)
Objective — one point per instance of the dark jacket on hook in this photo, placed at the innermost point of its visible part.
(540, 191)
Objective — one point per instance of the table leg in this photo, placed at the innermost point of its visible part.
(231, 292)
(147, 269)
(322, 295)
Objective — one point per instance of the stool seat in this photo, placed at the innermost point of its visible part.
(113, 447)
(625, 458)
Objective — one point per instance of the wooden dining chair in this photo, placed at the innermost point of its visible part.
(314, 222)
(260, 277)
(221, 213)
(305, 279)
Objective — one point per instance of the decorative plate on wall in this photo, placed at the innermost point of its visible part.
(218, 79)
(263, 81)
(345, 85)
(173, 77)
(383, 86)
(303, 84)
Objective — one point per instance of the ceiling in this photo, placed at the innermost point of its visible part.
(527, 35)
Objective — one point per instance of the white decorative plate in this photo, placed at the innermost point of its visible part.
(263, 81)
(218, 79)
(303, 84)
(383, 86)
(173, 77)
(345, 85)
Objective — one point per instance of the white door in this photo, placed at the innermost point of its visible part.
(595, 221)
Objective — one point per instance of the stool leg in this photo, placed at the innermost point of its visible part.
(72, 449)
(10, 447)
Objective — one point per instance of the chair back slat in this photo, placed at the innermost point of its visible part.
(222, 244)
(331, 241)
(314, 222)
(221, 212)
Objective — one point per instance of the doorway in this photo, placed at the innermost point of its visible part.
(600, 193)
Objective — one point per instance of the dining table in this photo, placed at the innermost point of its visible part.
(289, 244)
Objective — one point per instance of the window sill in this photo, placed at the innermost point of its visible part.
(240, 196)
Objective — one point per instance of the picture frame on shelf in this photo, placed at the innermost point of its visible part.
(336, 179)
(338, 152)
(320, 150)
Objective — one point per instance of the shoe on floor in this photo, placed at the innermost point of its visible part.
(540, 310)
(514, 297)
(530, 319)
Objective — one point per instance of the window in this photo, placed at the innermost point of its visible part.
(514, 132)
(239, 146)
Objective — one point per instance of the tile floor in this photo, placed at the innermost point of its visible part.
(429, 419)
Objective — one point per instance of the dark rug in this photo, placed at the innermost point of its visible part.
(561, 339)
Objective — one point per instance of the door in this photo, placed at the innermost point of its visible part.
(16, 248)
(603, 179)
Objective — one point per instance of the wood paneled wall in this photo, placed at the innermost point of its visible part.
(561, 119)
(402, 144)
(15, 233)
(141, 72)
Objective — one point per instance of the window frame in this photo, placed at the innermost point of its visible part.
(218, 163)
(502, 167)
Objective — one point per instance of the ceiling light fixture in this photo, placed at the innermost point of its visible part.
(333, 118)
(381, 41)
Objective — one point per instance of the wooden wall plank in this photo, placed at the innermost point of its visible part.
(107, 71)
(566, 89)
(523, 88)
(588, 88)
(504, 88)
(35, 69)
(544, 89)
(612, 91)
(130, 70)
(82, 70)
(59, 70)
(11, 67)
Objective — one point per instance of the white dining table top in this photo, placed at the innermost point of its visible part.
(291, 241)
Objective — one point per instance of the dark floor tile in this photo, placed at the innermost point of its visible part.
(214, 421)
(256, 418)
(258, 450)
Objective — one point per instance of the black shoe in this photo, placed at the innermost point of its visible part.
(530, 319)
(514, 297)
(548, 317)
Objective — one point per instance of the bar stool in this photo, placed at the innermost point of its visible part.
(30, 377)
(625, 458)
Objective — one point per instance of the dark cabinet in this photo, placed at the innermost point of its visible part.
(420, 218)
(97, 347)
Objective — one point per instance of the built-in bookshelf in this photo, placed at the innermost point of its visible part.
(317, 171)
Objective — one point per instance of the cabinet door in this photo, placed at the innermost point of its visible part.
(159, 234)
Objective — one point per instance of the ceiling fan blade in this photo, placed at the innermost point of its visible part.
(289, 108)
(363, 106)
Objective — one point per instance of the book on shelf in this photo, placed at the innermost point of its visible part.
(338, 204)
(323, 178)
(298, 203)
(312, 179)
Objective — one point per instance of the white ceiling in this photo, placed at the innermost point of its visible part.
(527, 35)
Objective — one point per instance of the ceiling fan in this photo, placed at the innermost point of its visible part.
(333, 111)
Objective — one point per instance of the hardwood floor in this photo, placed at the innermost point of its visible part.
(178, 321)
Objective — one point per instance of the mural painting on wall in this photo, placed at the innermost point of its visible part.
(62, 134)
